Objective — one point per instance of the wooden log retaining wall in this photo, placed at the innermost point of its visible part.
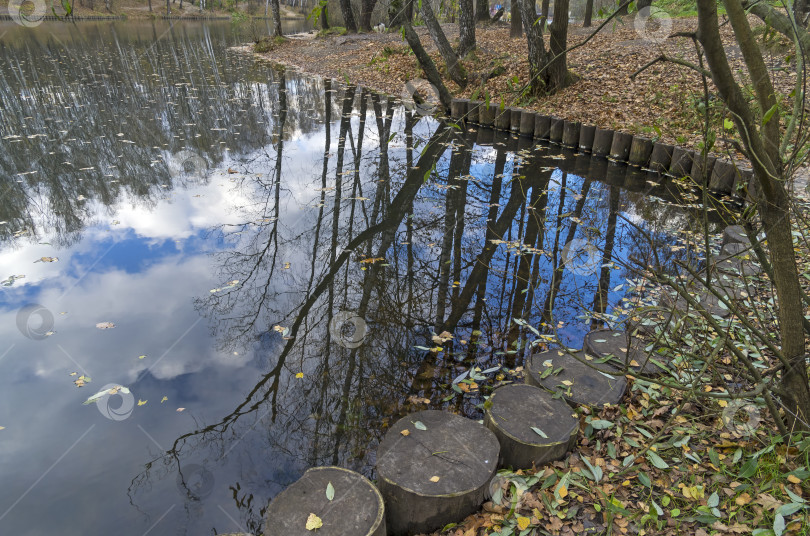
(724, 177)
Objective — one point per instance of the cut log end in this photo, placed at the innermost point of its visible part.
(532, 427)
(624, 350)
(355, 509)
(434, 468)
(573, 380)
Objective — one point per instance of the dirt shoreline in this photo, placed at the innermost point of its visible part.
(661, 102)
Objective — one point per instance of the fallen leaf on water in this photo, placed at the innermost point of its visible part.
(141, 356)
(72, 374)
(434, 479)
(180, 409)
(82, 380)
(2, 427)
(314, 522)
(142, 402)
(47, 259)
(105, 325)
(299, 375)
(164, 399)
(286, 265)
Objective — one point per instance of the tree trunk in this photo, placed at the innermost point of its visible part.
(168, 8)
(325, 17)
(558, 30)
(427, 65)
(773, 200)
(150, 5)
(586, 23)
(641, 4)
(482, 10)
(779, 21)
(348, 16)
(538, 56)
(454, 67)
(276, 18)
(544, 8)
(466, 24)
(516, 30)
(366, 9)
(395, 14)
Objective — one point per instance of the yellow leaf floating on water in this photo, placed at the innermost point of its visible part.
(434, 479)
(105, 325)
(142, 402)
(299, 375)
(523, 522)
(314, 522)
(141, 357)
(180, 409)
(2, 427)
(164, 399)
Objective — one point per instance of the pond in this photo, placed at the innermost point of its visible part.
(245, 270)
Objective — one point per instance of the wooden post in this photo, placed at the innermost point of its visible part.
(556, 133)
(355, 509)
(586, 133)
(516, 411)
(602, 141)
(620, 147)
(527, 123)
(542, 127)
(640, 151)
(434, 468)
(587, 385)
(661, 157)
(571, 133)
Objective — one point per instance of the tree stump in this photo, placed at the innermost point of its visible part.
(576, 382)
(735, 234)
(704, 298)
(355, 509)
(586, 133)
(737, 265)
(624, 349)
(542, 127)
(515, 411)
(602, 141)
(434, 468)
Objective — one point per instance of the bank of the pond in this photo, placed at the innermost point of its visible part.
(661, 102)
(140, 10)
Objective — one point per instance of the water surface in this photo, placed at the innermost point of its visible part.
(275, 252)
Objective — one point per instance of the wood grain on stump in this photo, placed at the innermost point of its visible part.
(513, 414)
(577, 382)
(624, 349)
(356, 508)
(436, 475)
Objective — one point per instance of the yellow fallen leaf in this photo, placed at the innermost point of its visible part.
(181, 409)
(794, 479)
(434, 479)
(743, 499)
(563, 491)
(523, 522)
(314, 522)
(142, 402)
(72, 374)
(287, 267)
(405, 432)
(299, 375)
(141, 356)
(2, 427)
(164, 399)
(567, 383)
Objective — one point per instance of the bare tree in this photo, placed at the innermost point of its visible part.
(516, 29)
(454, 67)
(348, 15)
(482, 10)
(466, 27)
